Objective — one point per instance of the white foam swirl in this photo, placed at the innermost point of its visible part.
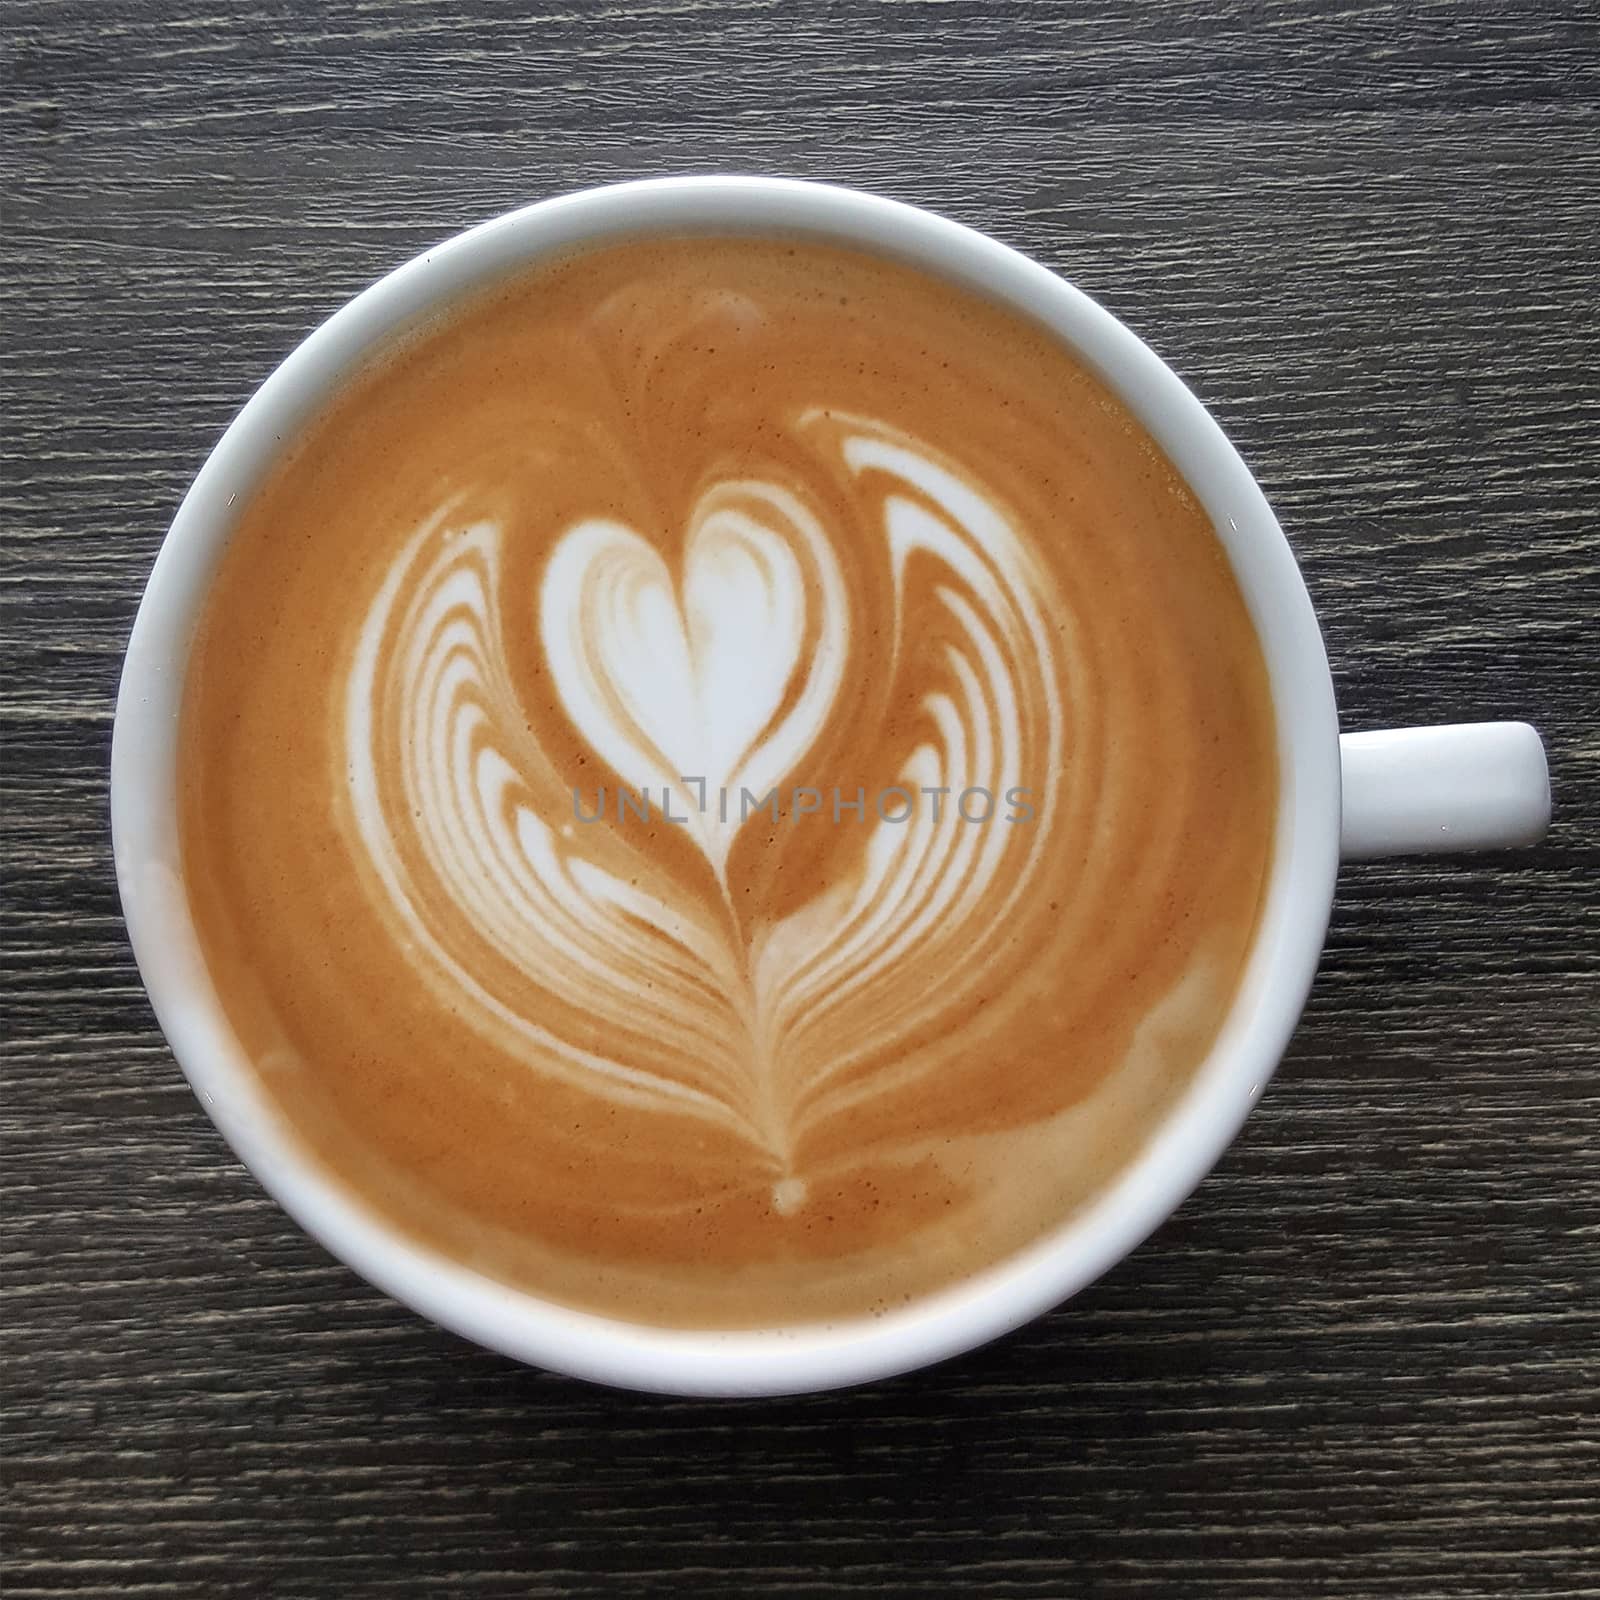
(583, 949)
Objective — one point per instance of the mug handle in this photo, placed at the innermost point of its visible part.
(1465, 786)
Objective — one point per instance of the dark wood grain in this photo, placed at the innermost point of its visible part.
(1362, 1360)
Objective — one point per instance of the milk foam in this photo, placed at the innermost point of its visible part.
(724, 672)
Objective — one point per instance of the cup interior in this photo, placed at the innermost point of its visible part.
(780, 1360)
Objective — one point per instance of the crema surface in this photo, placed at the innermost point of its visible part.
(726, 782)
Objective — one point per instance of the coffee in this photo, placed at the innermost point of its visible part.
(726, 782)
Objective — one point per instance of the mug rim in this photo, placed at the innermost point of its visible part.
(1178, 1151)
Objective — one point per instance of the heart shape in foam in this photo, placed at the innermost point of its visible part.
(713, 687)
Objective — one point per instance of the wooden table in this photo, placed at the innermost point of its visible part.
(1362, 1360)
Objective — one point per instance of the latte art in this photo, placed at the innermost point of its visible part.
(724, 675)
(713, 528)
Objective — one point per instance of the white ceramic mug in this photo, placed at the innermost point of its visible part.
(1376, 793)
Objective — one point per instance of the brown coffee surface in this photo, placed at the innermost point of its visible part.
(502, 653)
